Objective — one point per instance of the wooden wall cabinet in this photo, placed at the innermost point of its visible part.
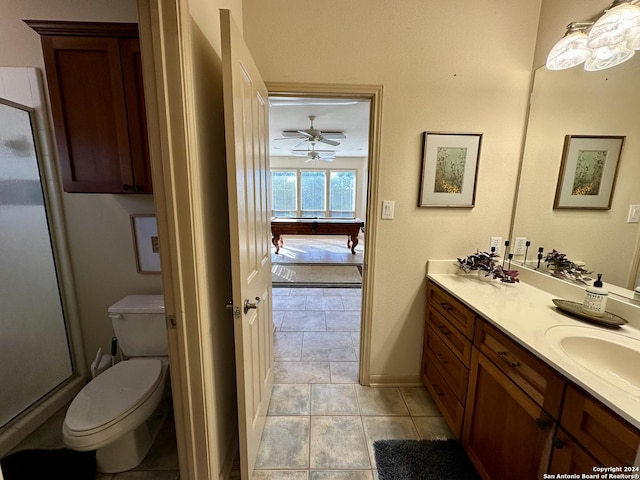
(94, 76)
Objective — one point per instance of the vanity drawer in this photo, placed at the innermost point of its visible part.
(451, 409)
(451, 336)
(451, 368)
(609, 438)
(461, 316)
(541, 382)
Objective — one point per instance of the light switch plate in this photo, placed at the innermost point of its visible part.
(634, 214)
(388, 207)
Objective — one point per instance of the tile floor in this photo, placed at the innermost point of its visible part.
(321, 423)
(161, 463)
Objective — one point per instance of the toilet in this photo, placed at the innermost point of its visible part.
(120, 411)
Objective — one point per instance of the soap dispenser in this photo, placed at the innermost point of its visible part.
(595, 299)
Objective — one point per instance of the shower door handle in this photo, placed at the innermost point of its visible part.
(248, 305)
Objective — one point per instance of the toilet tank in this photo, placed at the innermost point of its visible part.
(139, 324)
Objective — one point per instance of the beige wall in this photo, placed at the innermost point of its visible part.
(98, 225)
(435, 81)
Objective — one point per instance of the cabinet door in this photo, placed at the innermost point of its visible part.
(140, 168)
(506, 434)
(89, 112)
(569, 457)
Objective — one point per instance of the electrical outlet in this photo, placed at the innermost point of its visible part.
(497, 243)
(519, 246)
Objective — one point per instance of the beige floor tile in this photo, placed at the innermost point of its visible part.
(304, 321)
(334, 399)
(387, 428)
(419, 401)
(284, 444)
(330, 346)
(290, 399)
(345, 321)
(381, 401)
(301, 372)
(280, 475)
(344, 372)
(432, 428)
(341, 475)
(338, 442)
(287, 346)
(325, 303)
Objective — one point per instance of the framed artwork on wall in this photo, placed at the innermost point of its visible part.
(145, 242)
(588, 172)
(449, 169)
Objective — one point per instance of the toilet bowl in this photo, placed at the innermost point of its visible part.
(119, 412)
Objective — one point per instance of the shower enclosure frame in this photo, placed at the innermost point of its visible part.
(23, 87)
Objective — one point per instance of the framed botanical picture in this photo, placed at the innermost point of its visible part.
(588, 172)
(145, 242)
(449, 169)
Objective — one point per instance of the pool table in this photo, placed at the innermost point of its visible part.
(316, 226)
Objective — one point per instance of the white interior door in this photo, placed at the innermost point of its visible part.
(246, 111)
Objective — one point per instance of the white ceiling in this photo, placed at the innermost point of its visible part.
(292, 113)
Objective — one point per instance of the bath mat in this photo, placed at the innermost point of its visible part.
(42, 464)
(316, 275)
(422, 460)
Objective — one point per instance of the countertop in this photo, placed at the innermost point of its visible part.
(525, 313)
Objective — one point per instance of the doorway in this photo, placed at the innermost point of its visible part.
(308, 123)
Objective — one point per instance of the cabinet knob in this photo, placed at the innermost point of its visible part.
(556, 442)
(441, 359)
(542, 423)
(126, 187)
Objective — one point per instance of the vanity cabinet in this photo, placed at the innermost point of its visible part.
(609, 439)
(448, 333)
(513, 402)
(94, 77)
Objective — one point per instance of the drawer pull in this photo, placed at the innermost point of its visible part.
(439, 392)
(542, 423)
(556, 442)
(503, 356)
(444, 329)
(440, 359)
(446, 306)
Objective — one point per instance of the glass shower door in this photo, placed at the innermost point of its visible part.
(34, 350)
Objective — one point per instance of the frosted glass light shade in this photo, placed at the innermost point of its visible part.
(570, 51)
(614, 26)
(606, 57)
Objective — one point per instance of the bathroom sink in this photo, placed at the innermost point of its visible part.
(611, 356)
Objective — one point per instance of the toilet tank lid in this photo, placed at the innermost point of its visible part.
(139, 304)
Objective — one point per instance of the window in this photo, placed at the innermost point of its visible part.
(342, 193)
(284, 191)
(313, 193)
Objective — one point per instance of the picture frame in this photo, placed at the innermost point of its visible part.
(588, 172)
(145, 242)
(449, 169)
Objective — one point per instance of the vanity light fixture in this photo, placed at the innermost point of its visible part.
(602, 42)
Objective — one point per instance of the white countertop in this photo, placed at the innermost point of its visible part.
(525, 313)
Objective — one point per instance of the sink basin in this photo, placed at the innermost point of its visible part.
(611, 356)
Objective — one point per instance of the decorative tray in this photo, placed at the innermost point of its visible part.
(575, 309)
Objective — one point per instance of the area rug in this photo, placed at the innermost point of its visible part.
(422, 460)
(315, 275)
(56, 463)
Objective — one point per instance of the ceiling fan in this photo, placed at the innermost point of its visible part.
(313, 135)
(313, 154)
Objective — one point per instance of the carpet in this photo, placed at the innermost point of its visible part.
(422, 460)
(316, 275)
(55, 463)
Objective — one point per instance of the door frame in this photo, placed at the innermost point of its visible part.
(373, 93)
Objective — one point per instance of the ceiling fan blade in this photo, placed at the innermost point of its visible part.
(329, 142)
(301, 143)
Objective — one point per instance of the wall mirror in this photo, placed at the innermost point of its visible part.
(576, 102)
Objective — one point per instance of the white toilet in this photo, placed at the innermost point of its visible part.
(119, 412)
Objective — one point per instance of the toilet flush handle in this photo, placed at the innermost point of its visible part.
(248, 305)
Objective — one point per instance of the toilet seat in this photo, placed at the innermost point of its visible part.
(114, 402)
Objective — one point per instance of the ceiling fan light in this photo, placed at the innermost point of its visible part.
(633, 38)
(612, 27)
(570, 51)
(606, 57)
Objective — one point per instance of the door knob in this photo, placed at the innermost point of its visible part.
(248, 305)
